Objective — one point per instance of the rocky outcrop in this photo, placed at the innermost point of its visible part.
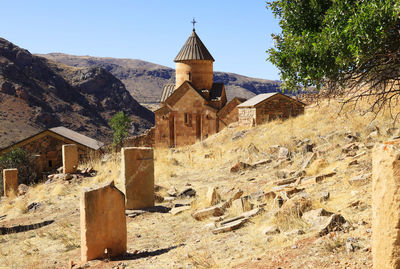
(51, 94)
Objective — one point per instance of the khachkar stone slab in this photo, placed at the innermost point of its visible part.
(138, 173)
(386, 205)
(103, 222)
(10, 182)
(70, 158)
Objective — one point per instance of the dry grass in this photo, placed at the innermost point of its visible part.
(202, 165)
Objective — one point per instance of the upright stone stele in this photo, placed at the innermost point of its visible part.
(386, 205)
(103, 222)
(10, 182)
(138, 173)
(70, 158)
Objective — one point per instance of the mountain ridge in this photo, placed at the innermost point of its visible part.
(37, 94)
(144, 80)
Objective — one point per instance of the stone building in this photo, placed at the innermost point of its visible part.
(268, 106)
(189, 108)
(46, 146)
(230, 112)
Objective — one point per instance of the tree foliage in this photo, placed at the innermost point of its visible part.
(23, 161)
(341, 44)
(120, 125)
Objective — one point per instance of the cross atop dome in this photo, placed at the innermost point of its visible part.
(193, 22)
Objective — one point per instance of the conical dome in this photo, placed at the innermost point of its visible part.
(193, 49)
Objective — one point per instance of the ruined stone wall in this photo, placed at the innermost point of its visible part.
(247, 116)
(201, 73)
(145, 140)
(49, 148)
(277, 107)
(231, 117)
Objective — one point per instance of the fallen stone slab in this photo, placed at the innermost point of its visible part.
(230, 226)
(261, 162)
(333, 223)
(360, 180)
(208, 212)
(251, 213)
(177, 210)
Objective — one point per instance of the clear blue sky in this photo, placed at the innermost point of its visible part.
(236, 32)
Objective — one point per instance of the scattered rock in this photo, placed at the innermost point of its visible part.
(238, 135)
(261, 162)
(208, 212)
(236, 195)
(324, 196)
(309, 158)
(22, 189)
(349, 247)
(333, 223)
(177, 210)
(189, 192)
(283, 153)
(34, 206)
(360, 180)
(296, 206)
(173, 192)
(240, 166)
(212, 196)
(230, 226)
(158, 198)
(241, 205)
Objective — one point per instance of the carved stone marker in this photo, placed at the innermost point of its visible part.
(138, 173)
(386, 205)
(70, 158)
(10, 182)
(103, 222)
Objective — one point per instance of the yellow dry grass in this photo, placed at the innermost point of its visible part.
(202, 165)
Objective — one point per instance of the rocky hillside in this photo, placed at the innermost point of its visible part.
(292, 194)
(144, 80)
(36, 93)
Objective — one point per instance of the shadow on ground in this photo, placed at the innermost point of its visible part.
(145, 254)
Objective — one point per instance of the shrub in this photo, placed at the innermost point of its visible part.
(23, 161)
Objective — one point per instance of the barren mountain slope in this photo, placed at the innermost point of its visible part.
(36, 93)
(316, 161)
(144, 80)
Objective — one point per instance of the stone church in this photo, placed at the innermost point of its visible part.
(189, 108)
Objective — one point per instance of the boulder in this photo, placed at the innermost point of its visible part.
(297, 205)
(283, 153)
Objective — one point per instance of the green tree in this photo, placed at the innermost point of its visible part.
(340, 45)
(23, 161)
(120, 125)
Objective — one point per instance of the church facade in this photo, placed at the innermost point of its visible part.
(189, 108)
